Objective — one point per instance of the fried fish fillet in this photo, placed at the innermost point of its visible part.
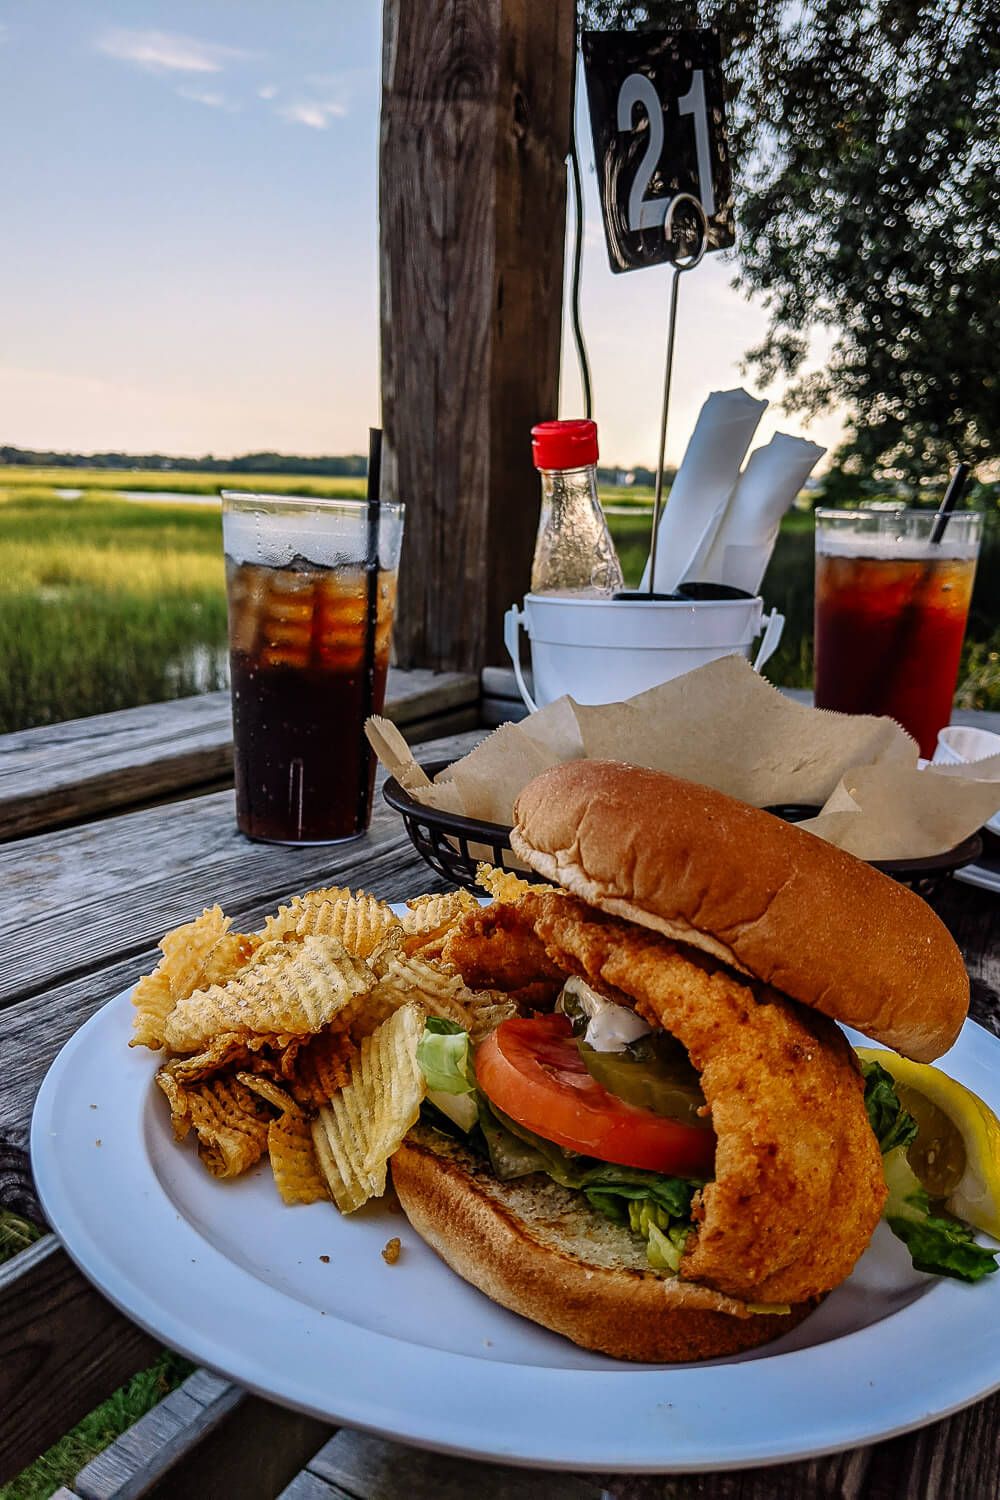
(798, 1186)
(495, 947)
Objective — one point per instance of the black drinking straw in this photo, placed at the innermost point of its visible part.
(952, 496)
(889, 664)
(371, 615)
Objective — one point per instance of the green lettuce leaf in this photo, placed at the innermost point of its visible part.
(892, 1124)
(444, 1057)
(942, 1246)
(643, 1201)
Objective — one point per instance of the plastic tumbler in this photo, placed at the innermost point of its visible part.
(311, 588)
(891, 608)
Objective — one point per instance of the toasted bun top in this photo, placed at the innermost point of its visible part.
(764, 896)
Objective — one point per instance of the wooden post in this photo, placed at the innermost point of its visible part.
(476, 118)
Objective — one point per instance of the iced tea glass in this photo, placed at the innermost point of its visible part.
(891, 607)
(311, 587)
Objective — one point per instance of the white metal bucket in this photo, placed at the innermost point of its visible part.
(604, 650)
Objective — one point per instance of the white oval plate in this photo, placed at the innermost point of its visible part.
(298, 1305)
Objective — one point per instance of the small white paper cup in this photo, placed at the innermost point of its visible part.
(961, 745)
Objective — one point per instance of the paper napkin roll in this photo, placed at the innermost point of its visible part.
(748, 530)
(704, 483)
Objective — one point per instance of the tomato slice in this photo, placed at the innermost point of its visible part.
(533, 1072)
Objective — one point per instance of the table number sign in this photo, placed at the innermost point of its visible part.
(658, 118)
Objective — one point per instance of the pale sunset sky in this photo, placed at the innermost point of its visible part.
(188, 250)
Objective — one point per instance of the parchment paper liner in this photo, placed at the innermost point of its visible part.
(728, 728)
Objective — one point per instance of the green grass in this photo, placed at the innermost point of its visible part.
(105, 603)
(15, 1234)
(63, 1461)
(193, 482)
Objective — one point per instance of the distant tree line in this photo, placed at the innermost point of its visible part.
(351, 465)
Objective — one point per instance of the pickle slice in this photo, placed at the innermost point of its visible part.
(653, 1073)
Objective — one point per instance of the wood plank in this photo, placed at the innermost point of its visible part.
(496, 711)
(973, 918)
(132, 1455)
(65, 910)
(498, 682)
(372, 1468)
(957, 1457)
(419, 694)
(475, 126)
(839, 1477)
(309, 1486)
(17, 1190)
(63, 1349)
(452, 721)
(238, 1444)
(61, 773)
(127, 1460)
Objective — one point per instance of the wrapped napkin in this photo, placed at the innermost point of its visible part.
(702, 487)
(728, 728)
(748, 530)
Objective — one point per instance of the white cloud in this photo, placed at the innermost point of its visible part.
(165, 52)
(267, 91)
(316, 113)
(210, 98)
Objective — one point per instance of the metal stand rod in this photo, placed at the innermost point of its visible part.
(678, 268)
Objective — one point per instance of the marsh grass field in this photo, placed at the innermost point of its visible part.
(107, 602)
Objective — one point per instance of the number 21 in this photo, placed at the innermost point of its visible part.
(647, 213)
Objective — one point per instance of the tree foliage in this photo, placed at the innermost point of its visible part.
(352, 464)
(867, 165)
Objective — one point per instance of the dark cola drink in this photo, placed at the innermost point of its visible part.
(299, 664)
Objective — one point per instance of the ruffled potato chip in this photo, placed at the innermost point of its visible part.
(195, 955)
(230, 1122)
(289, 1144)
(502, 885)
(428, 919)
(153, 1002)
(265, 1088)
(222, 1050)
(282, 995)
(285, 918)
(360, 922)
(322, 1067)
(358, 1131)
(293, 1160)
(486, 1011)
(441, 992)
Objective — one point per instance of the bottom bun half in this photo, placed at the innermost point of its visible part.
(541, 1251)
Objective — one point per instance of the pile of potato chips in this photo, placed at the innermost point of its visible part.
(300, 1040)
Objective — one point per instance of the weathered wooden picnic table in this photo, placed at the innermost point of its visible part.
(81, 909)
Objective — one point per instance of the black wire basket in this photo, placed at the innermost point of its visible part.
(454, 846)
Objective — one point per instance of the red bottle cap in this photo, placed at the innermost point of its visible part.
(564, 445)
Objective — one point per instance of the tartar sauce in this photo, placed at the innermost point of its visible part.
(610, 1027)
